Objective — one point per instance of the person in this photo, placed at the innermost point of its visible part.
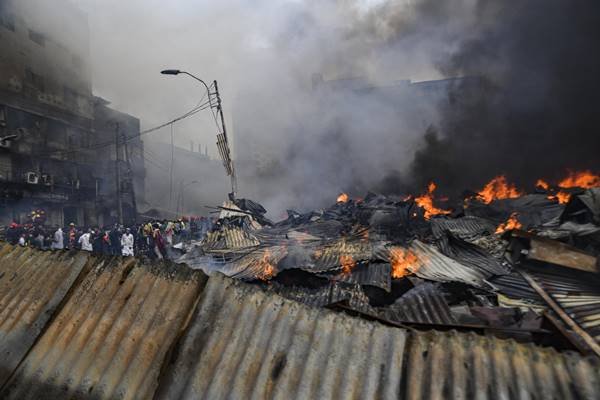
(114, 237)
(169, 231)
(22, 240)
(58, 242)
(127, 243)
(12, 234)
(159, 244)
(72, 236)
(84, 241)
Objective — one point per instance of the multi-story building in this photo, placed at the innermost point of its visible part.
(55, 155)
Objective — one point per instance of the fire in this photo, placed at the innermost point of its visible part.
(426, 202)
(343, 198)
(542, 184)
(267, 270)
(403, 262)
(348, 263)
(510, 224)
(563, 197)
(581, 179)
(498, 189)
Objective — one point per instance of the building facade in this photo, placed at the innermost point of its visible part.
(53, 140)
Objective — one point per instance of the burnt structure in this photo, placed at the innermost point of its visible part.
(58, 134)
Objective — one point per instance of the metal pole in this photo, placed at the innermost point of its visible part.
(130, 174)
(118, 176)
(220, 111)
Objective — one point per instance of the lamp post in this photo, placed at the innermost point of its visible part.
(222, 140)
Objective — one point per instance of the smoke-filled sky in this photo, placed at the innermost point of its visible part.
(533, 113)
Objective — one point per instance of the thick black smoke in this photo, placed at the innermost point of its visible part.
(534, 112)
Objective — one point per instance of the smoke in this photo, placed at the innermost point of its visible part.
(534, 112)
(316, 98)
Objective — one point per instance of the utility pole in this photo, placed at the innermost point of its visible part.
(130, 180)
(118, 175)
(228, 149)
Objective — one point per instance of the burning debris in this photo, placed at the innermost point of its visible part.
(408, 261)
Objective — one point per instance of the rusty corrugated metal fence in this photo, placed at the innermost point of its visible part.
(76, 326)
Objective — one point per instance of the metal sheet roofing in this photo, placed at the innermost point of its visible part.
(32, 285)
(424, 304)
(245, 343)
(126, 330)
(110, 338)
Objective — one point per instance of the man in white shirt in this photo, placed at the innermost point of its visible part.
(127, 243)
(84, 241)
(57, 243)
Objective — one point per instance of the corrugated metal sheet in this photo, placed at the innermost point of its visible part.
(328, 256)
(111, 337)
(246, 344)
(435, 266)
(466, 228)
(372, 274)
(229, 239)
(332, 293)
(514, 286)
(424, 304)
(32, 285)
(578, 297)
(472, 256)
(258, 264)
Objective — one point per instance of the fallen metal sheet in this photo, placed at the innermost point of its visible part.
(243, 343)
(466, 228)
(423, 304)
(258, 264)
(584, 207)
(515, 287)
(329, 256)
(111, 337)
(229, 239)
(332, 293)
(371, 274)
(579, 298)
(569, 229)
(532, 209)
(435, 266)
(471, 256)
(32, 285)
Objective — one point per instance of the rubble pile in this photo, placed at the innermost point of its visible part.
(500, 261)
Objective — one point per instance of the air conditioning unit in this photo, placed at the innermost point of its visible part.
(47, 179)
(32, 178)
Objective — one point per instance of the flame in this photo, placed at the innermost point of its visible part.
(563, 197)
(348, 263)
(426, 203)
(580, 179)
(267, 270)
(343, 198)
(542, 184)
(498, 189)
(403, 262)
(510, 224)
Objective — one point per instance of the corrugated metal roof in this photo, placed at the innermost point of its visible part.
(435, 266)
(229, 239)
(244, 343)
(328, 256)
(424, 304)
(111, 337)
(466, 228)
(32, 285)
(372, 274)
(578, 297)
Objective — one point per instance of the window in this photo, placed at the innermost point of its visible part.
(7, 20)
(33, 79)
(37, 37)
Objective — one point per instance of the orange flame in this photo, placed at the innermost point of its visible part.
(510, 224)
(267, 270)
(580, 179)
(343, 198)
(348, 263)
(403, 262)
(498, 189)
(426, 203)
(542, 184)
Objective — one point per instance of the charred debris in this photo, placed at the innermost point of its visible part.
(499, 262)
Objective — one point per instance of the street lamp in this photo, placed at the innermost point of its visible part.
(222, 141)
(177, 72)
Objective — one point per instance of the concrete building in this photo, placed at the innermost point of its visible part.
(55, 160)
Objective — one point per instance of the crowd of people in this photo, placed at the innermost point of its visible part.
(154, 239)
